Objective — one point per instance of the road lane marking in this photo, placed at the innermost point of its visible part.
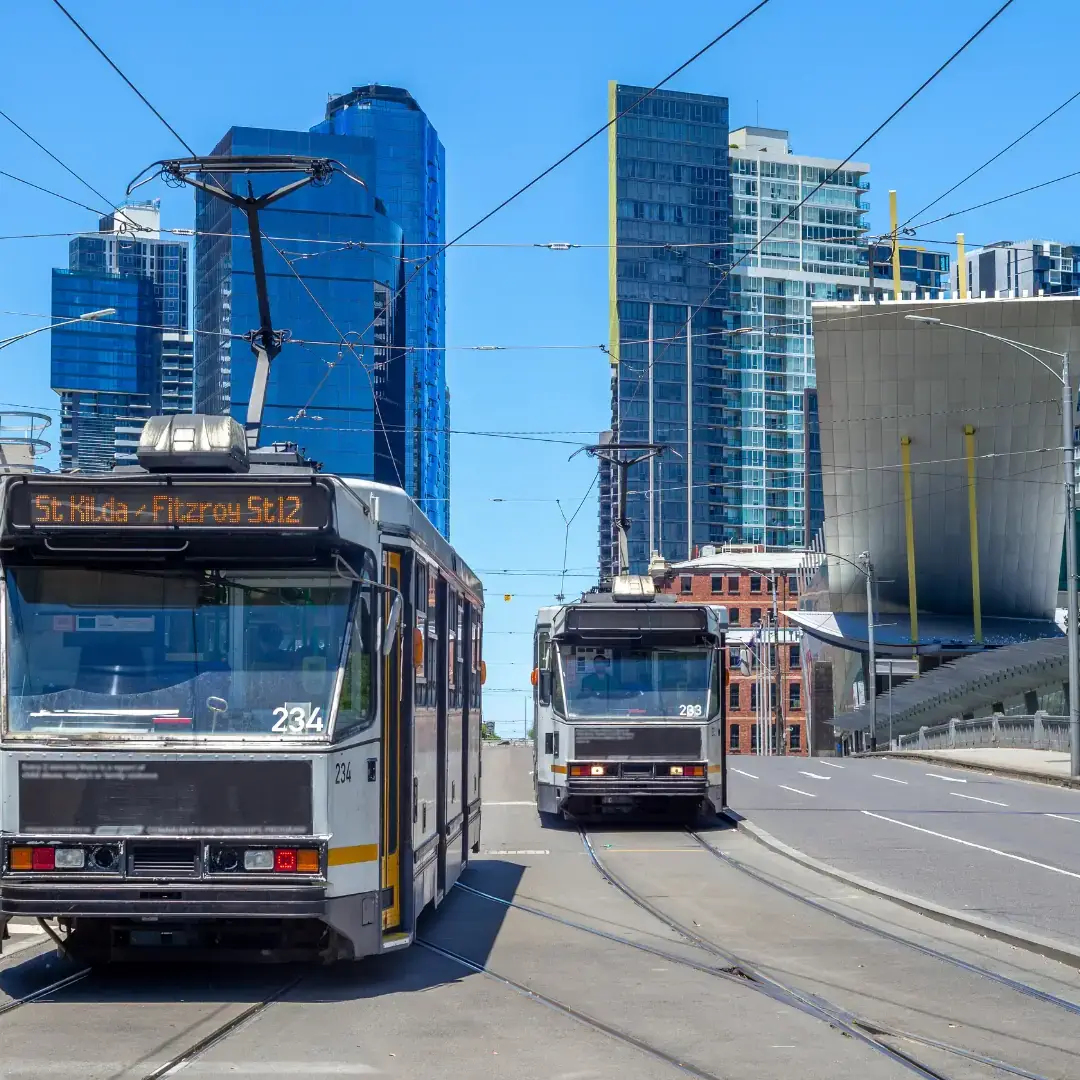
(527, 802)
(975, 798)
(971, 844)
(798, 791)
(522, 851)
(892, 779)
(741, 772)
(1062, 817)
(951, 779)
(814, 775)
(831, 764)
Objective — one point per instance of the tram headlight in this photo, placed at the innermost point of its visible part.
(224, 860)
(259, 859)
(69, 858)
(105, 857)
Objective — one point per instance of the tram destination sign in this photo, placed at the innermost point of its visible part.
(258, 507)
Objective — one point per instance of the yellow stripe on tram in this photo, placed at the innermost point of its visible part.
(358, 853)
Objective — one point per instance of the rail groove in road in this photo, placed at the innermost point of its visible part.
(866, 1031)
(859, 924)
(569, 1010)
(45, 991)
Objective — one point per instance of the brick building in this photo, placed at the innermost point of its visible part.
(741, 579)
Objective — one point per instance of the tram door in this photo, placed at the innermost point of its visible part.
(392, 754)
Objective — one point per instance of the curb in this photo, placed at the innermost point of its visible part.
(1008, 771)
(1032, 943)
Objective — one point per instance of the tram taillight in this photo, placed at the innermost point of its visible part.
(285, 860)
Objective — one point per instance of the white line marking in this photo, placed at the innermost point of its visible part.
(528, 803)
(523, 851)
(814, 775)
(951, 779)
(742, 773)
(891, 778)
(24, 929)
(797, 791)
(975, 798)
(1062, 817)
(969, 843)
(831, 764)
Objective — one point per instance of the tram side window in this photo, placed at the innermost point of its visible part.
(356, 709)
(425, 689)
(557, 702)
(476, 631)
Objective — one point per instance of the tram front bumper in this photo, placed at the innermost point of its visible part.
(636, 778)
(160, 900)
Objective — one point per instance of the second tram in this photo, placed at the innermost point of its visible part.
(629, 704)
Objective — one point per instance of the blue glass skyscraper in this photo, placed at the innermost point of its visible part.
(114, 373)
(410, 165)
(333, 264)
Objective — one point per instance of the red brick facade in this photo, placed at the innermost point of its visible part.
(748, 598)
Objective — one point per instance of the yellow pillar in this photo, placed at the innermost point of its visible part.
(973, 533)
(961, 267)
(909, 530)
(613, 228)
(894, 230)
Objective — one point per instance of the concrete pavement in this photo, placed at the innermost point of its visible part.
(1004, 850)
(1049, 765)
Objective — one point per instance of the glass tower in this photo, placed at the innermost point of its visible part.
(669, 219)
(111, 377)
(333, 262)
(410, 165)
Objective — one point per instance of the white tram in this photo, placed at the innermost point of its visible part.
(241, 705)
(629, 704)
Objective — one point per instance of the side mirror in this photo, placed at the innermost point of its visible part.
(393, 620)
(544, 686)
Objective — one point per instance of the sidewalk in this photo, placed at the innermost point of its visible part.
(1051, 766)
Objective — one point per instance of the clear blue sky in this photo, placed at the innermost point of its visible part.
(510, 88)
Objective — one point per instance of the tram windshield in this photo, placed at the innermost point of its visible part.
(196, 652)
(658, 683)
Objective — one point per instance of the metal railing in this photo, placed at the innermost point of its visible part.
(1038, 732)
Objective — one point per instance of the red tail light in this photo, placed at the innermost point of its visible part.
(285, 860)
(44, 858)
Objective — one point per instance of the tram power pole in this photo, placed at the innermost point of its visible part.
(265, 342)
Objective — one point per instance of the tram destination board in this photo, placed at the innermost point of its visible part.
(257, 507)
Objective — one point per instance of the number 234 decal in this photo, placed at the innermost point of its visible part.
(297, 719)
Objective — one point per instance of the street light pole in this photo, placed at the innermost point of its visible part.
(871, 678)
(1068, 415)
(1068, 406)
(86, 316)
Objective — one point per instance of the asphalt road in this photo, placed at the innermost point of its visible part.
(1006, 850)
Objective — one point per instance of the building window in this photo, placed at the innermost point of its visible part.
(733, 737)
(733, 584)
(793, 656)
(686, 584)
(733, 616)
(717, 583)
(795, 737)
(733, 696)
(755, 583)
(794, 695)
(772, 696)
(753, 737)
(755, 616)
(734, 657)
(793, 585)
(753, 697)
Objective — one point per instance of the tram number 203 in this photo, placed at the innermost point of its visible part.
(691, 710)
(297, 719)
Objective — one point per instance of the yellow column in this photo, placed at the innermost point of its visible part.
(961, 267)
(894, 229)
(613, 228)
(973, 533)
(909, 529)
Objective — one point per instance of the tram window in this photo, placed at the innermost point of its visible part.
(356, 706)
(557, 703)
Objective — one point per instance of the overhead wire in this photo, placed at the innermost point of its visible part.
(108, 59)
(67, 168)
(990, 160)
(55, 195)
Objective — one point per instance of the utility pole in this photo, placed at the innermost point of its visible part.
(1068, 413)
(871, 679)
(265, 342)
(778, 665)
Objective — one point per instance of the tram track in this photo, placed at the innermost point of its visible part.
(840, 1019)
(886, 935)
(882, 1039)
